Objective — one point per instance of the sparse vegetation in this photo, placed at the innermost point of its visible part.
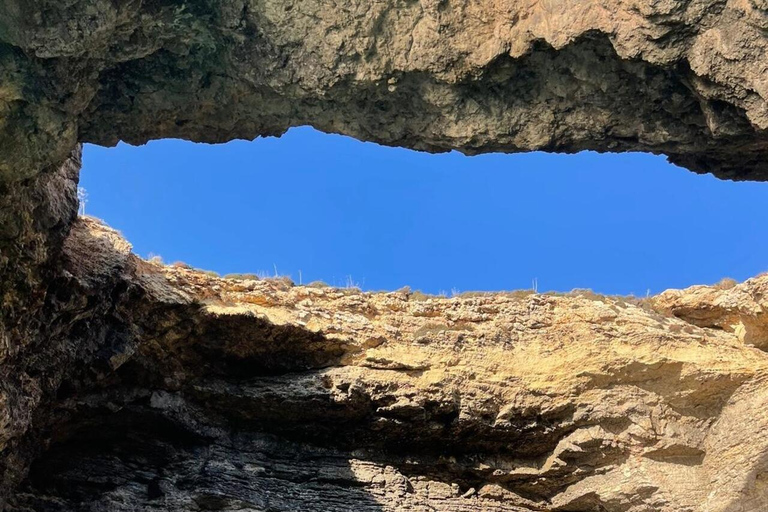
(587, 293)
(82, 198)
(515, 294)
(726, 283)
(242, 277)
(155, 259)
(262, 275)
(318, 284)
(284, 280)
(419, 295)
(349, 283)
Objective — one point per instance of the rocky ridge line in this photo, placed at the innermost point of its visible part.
(215, 394)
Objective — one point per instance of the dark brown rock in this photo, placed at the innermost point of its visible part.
(687, 79)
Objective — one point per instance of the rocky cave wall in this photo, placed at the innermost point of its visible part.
(683, 78)
(128, 386)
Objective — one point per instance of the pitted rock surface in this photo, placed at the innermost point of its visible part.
(125, 385)
(247, 394)
(685, 78)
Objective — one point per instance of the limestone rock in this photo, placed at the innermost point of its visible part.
(237, 394)
(685, 78)
(129, 386)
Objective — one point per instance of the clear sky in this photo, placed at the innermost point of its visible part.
(331, 207)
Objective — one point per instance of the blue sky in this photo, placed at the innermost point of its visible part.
(331, 207)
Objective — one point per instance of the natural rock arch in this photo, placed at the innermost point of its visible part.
(234, 392)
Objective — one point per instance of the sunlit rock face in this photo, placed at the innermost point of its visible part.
(687, 79)
(125, 385)
(164, 388)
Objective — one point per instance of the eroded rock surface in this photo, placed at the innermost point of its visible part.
(200, 393)
(685, 78)
(128, 386)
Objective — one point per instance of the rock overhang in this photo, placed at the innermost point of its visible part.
(256, 394)
(686, 79)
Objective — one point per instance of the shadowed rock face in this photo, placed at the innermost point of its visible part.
(129, 386)
(687, 79)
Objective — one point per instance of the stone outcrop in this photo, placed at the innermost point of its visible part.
(685, 78)
(165, 388)
(125, 385)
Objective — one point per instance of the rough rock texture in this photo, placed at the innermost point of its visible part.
(126, 386)
(175, 390)
(685, 78)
